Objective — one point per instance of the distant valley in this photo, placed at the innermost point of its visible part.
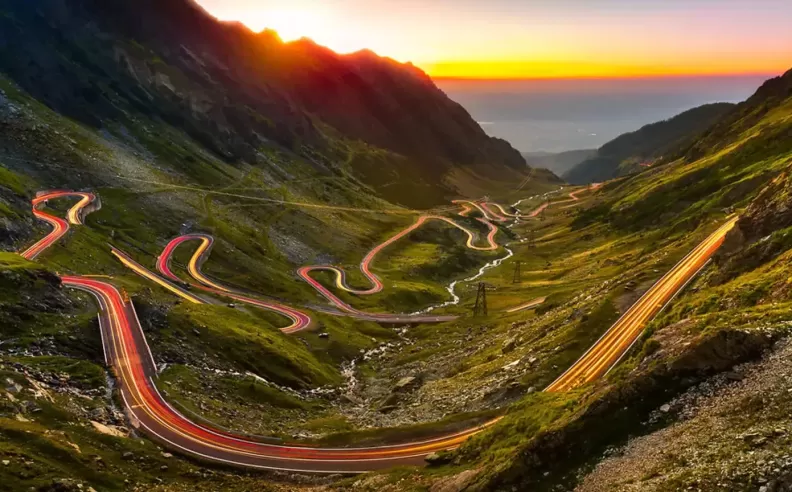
(562, 115)
(559, 163)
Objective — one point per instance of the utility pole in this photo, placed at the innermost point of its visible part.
(531, 238)
(480, 308)
(517, 275)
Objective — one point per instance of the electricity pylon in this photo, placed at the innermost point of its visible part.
(480, 308)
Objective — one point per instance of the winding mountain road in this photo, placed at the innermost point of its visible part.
(365, 267)
(59, 226)
(611, 347)
(127, 352)
(471, 206)
(501, 215)
(299, 320)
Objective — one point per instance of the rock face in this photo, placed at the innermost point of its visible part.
(770, 211)
(235, 91)
(747, 446)
(456, 483)
(406, 384)
(758, 235)
(646, 390)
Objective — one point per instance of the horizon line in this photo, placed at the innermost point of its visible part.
(735, 75)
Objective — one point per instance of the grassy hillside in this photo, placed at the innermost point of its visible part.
(696, 401)
(272, 212)
(306, 157)
(641, 149)
(729, 315)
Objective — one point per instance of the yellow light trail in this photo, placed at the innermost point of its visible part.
(143, 272)
(612, 346)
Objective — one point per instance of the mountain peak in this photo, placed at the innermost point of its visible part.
(235, 91)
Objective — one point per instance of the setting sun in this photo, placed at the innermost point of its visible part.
(291, 22)
(297, 20)
(511, 39)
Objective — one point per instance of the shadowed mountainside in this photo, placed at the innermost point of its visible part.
(236, 91)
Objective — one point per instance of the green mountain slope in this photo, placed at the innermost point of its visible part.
(290, 155)
(733, 313)
(637, 150)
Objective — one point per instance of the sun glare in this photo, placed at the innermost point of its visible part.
(297, 21)
(450, 42)
(291, 23)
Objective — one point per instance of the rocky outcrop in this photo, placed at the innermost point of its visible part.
(618, 411)
(759, 235)
(456, 483)
(731, 433)
(770, 211)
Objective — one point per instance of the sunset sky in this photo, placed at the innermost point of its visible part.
(540, 38)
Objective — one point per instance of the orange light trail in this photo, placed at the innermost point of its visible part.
(127, 351)
(59, 226)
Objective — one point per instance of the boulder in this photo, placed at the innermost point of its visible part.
(509, 345)
(405, 384)
(108, 429)
(455, 483)
(438, 458)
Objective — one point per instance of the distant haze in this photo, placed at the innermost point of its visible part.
(569, 114)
